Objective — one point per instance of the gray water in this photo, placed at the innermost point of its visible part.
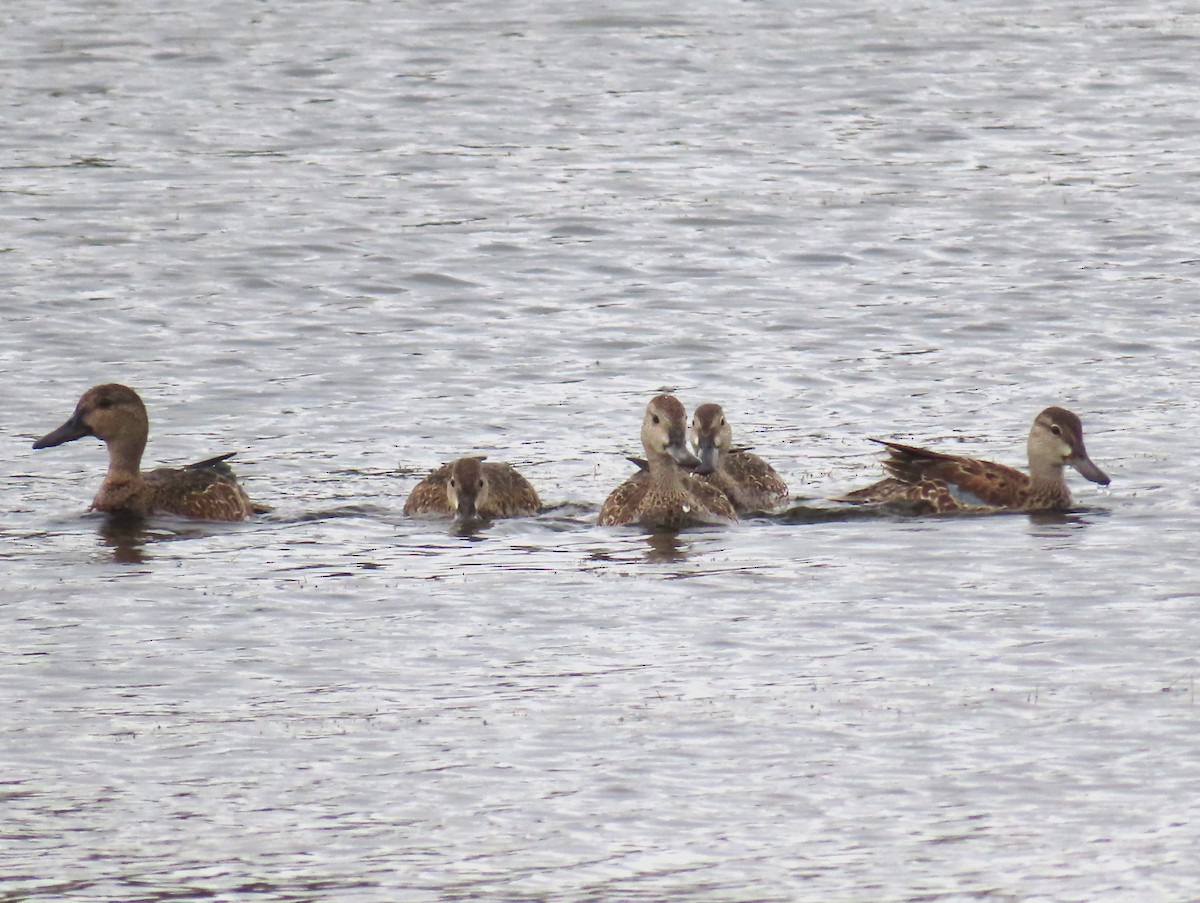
(350, 241)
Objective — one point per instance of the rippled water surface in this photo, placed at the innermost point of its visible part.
(350, 241)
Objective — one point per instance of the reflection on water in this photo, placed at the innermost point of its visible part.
(810, 514)
(661, 547)
(1063, 529)
(126, 537)
(472, 528)
(130, 538)
(666, 547)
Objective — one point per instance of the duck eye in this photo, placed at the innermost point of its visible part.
(722, 421)
(453, 482)
(481, 484)
(654, 417)
(1054, 428)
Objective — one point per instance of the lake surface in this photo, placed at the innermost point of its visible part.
(351, 241)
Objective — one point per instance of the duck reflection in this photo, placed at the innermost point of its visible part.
(473, 529)
(1060, 529)
(665, 547)
(1054, 519)
(129, 537)
(662, 546)
(126, 537)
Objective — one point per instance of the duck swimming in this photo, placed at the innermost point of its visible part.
(664, 496)
(472, 488)
(750, 483)
(930, 482)
(116, 415)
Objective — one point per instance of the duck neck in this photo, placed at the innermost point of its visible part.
(1046, 482)
(125, 459)
(665, 472)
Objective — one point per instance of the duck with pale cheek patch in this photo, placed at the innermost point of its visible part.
(115, 415)
(665, 496)
(929, 482)
(749, 482)
(474, 489)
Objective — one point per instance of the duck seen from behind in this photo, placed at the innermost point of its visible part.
(116, 415)
(665, 496)
(472, 489)
(929, 482)
(750, 483)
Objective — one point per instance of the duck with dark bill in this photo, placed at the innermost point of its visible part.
(115, 414)
(925, 481)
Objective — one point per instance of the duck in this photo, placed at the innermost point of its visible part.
(474, 488)
(665, 496)
(116, 415)
(930, 482)
(750, 483)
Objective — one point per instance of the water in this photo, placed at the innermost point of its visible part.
(353, 240)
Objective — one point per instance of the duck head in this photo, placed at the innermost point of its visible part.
(712, 436)
(111, 413)
(664, 432)
(1057, 440)
(467, 487)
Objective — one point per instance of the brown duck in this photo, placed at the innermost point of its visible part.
(472, 488)
(926, 481)
(750, 483)
(664, 496)
(115, 415)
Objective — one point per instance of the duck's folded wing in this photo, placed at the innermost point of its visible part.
(511, 494)
(622, 504)
(206, 490)
(979, 482)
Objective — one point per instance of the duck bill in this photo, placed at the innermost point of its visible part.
(70, 431)
(1089, 471)
(467, 511)
(708, 453)
(681, 455)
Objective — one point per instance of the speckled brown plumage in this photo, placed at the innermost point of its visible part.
(926, 481)
(664, 496)
(473, 487)
(115, 414)
(749, 482)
